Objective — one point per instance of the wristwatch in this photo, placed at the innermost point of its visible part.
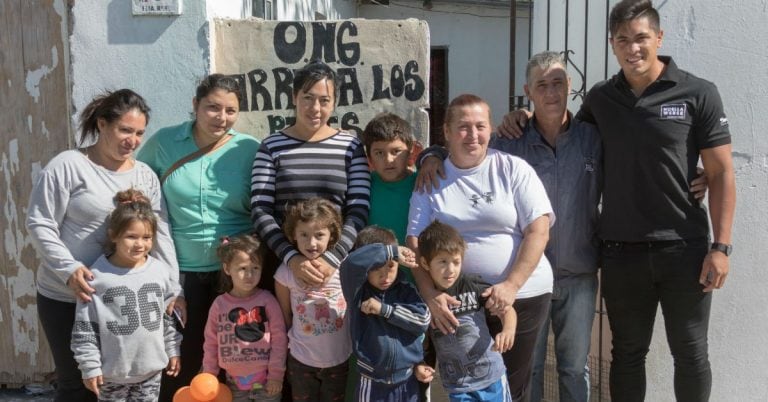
(726, 249)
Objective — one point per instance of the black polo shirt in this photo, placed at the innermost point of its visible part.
(651, 147)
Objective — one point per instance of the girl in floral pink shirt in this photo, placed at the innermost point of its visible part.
(320, 344)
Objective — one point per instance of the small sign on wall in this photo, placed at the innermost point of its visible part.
(157, 7)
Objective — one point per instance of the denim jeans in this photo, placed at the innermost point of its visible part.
(571, 314)
(636, 278)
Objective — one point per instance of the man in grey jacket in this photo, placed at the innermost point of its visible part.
(566, 154)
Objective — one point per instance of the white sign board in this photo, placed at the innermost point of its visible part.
(382, 65)
(157, 7)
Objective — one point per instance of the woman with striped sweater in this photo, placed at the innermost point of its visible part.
(309, 159)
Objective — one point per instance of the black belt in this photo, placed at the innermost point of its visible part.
(650, 245)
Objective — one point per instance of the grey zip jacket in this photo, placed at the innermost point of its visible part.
(572, 173)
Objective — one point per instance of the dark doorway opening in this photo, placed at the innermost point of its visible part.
(438, 93)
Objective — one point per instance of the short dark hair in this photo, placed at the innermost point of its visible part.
(628, 10)
(313, 72)
(314, 209)
(213, 82)
(132, 205)
(440, 237)
(375, 234)
(227, 250)
(110, 106)
(387, 127)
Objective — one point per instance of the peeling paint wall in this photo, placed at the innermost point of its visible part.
(33, 128)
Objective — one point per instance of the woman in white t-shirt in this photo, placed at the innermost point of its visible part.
(500, 207)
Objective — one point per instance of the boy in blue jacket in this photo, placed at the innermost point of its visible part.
(387, 317)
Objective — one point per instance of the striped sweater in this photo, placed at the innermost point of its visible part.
(287, 170)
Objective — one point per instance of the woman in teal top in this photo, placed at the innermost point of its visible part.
(208, 197)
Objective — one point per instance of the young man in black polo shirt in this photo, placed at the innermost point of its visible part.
(655, 121)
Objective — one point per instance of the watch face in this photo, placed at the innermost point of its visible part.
(723, 248)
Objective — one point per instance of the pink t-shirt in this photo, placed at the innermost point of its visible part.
(246, 337)
(319, 335)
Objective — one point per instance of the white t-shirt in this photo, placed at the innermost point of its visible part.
(319, 335)
(490, 205)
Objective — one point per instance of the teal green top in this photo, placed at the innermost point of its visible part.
(208, 197)
(390, 201)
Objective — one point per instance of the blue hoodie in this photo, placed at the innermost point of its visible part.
(387, 346)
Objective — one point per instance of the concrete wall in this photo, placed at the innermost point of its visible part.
(381, 66)
(477, 38)
(720, 42)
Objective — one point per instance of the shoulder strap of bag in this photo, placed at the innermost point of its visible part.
(210, 148)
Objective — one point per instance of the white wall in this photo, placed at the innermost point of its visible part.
(477, 39)
(722, 43)
(160, 57)
(304, 10)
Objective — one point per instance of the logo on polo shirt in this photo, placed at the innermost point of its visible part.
(723, 121)
(675, 111)
(589, 165)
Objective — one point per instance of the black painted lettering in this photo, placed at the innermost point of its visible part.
(397, 81)
(289, 52)
(257, 78)
(349, 52)
(276, 123)
(240, 78)
(414, 89)
(322, 41)
(348, 122)
(379, 92)
(348, 82)
(283, 87)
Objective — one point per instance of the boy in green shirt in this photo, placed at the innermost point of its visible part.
(389, 142)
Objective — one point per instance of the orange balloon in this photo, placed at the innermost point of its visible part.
(204, 387)
(225, 394)
(183, 395)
